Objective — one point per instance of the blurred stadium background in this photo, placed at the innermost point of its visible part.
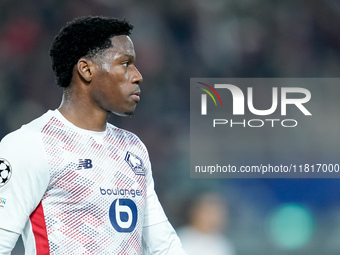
(176, 40)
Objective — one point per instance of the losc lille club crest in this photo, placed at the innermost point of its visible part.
(135, 163)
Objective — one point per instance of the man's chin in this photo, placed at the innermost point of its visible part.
(125, 114)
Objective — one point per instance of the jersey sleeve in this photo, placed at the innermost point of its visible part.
(154, 212)
(159, 237)
(26, 178)
(8, 241)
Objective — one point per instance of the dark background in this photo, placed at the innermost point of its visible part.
(176, 40)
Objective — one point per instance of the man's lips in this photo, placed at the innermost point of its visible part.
(136, 95)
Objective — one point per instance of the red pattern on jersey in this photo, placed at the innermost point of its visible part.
(39, 230)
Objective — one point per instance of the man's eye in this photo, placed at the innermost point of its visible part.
(125, 64)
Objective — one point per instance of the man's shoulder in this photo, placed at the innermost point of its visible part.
(27, 132)
(126, 136)
(112, 129)
(24, 143)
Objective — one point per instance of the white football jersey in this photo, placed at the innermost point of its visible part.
(72, 191)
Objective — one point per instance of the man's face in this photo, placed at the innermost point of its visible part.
(115, 85)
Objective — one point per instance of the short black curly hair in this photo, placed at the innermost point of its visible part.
(81, 37)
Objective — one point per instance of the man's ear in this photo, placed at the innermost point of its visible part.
(85, 68)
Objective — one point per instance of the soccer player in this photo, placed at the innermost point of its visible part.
(71, 183)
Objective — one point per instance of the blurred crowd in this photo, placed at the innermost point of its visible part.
(174, 41)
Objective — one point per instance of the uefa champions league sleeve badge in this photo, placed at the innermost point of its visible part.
(5, 172)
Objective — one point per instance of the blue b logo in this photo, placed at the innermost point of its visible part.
(123, 215)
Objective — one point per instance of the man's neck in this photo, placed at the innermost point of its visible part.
(83, 115)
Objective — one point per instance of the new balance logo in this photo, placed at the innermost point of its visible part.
(84, 164)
